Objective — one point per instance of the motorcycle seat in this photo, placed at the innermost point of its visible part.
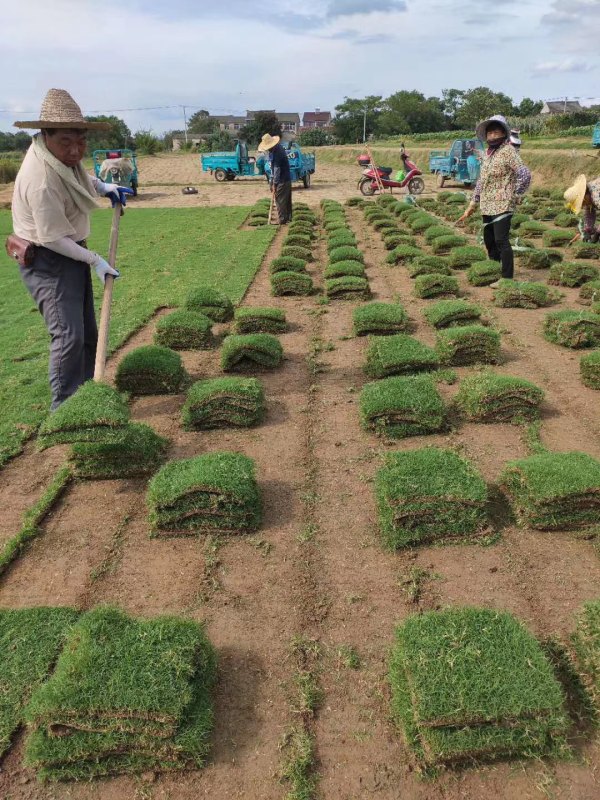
(386, 170)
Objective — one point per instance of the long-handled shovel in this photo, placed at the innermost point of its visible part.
(102, 346)
(271, 207)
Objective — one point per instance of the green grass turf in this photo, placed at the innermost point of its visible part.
(259, 319)
(150, 369)
(298, 239)
(565, 220)
(589, 369)
(469, 344)
(490, 397)
(523, 294)
(341, 268)
(428, 495)
(212, 492)
(402, 406)
(450, 313)
(303, 253)
(428, 265)
(258, 349)
(403, 254)
(573, 328)
(139, 452)
(379, 318)
(435, 285)
(421, 222)
(572, 273)
(184, 330)
(345, 239)
(445, 244)
(30, 641)
(348, 286)
(224, 402)
(398, 354)
(586, 644)
(551, 491)
(213, 303)
(482, 273)
(393, 239)
(590, 292)
(96, 412)
(556, 238)
(287, 264)
(435, 231)
(463, 257)
(291, 283)
(586, 250)
(532, 228)
(538, 259)
(346, 253)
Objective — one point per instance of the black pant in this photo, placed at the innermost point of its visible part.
(283, 200)
(497, 242)
(62, 290)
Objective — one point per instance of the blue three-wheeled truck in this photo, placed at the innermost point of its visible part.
(227, 166)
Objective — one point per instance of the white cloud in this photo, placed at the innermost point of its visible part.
(566, 65)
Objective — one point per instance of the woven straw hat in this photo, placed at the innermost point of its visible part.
(267, 142)
(59, 110)
(575, 194)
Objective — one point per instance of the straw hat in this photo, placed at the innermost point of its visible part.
(481, 129)
(267, 142)
(575, 194)
(59, 110)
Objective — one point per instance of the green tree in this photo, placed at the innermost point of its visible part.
(528, 107)
(481, 103)
(263, 122)
(410, 112)
(146, 143)
(314, 137)
(202, 122)
(118, 136)
(10, 142)
(355, 116)
(452, 100)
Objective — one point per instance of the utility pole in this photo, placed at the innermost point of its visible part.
(185, 124)
(565, 106)
(365, 124)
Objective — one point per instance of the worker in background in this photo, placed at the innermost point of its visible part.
(524, 172)
(281, 178)
(584, 196)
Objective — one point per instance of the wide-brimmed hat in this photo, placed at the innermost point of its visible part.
(59, 110)
(267, 142)
(498, 119)
(575, 194)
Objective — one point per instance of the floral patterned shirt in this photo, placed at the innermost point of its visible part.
(590, 212)
(502, 179)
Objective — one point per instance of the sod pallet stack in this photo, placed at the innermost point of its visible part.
(490, 397)
(589, 292)
(251, 350)
(211, 493)
(482, 273)
(586, 649)
(344, 275)
(126, 696)
(382, 319)
(452, 313)
(151, 369)
(427, 265)
(552, 491)
(573, 328)
(468, 344)
(223, 403)
(473, 683)
(523, 294)
(255, 319)
(589, 369)
(402, 406)
(429, 495)
(397, 355)
(436, 285)
(572, 273)
(538, 259)
(213, 304)
(184, 330)
(288, 271)
(138, 453)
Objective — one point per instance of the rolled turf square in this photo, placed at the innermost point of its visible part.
(435, 285)
(255, 319)
(403, 254)
(551, 491)
(538, 259)
(348, 286)
(572, 273)
(436, 231)
(471, 344)
(589, 369)
(150, 370)
(343, 268)
(586, 250)
(589, 292)
(428, 265)
(287, 264)
(523, 294)
(382, 319)
(295, 251)
(341, 238)
(297, 238)
(556, 237)
(463, 257)
(224, 402)
(213, 304)
(215, 492)
(444, 244)
(140, 452)
(573, 328)
(532, 228)
(184, 330)
(95, 413)
(393, 240)
(490, 397)
(586, 646)
(402, 406)
(291, 283)
(473, 683)
(482, 273)
(346, 253)
(428, 495)
(398, 354)
(262, 349)
(451, 313)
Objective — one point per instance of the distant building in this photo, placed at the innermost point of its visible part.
(193, 138)
(229, 122)
(316, 119)
(290, 120)
(561, 107)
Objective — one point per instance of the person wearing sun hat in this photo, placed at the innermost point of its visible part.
(584, 196)
(51, 205)
(280, 174)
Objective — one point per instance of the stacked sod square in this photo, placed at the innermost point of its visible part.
(139, 452)
(289, 275)
(523, 294)
(223, 403)
(572, 273)
(402, 406)
(211, 493)
(380, 217)
(538, 259)
(482, 273)
(151, 369)
(381, 319)
(490, 397)
(126, 696)
(399, 354)
(251, 350)
(255, 319)
(436, 285)
(473, 683)
(213, 304)
(468, 344)
(428, 265)
(259, 214)
(589, 369)
(573, 329)
(586, 649)
(452, 313)
(345, 276)
(184, 330)
(589, 292)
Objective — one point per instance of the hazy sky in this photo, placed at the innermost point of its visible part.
(229, 55)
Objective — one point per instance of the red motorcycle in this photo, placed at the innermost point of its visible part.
(369, 184)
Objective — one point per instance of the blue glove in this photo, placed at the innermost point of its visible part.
(114, 192)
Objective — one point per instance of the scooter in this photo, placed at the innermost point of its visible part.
(369, 184)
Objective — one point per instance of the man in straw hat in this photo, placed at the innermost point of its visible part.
(51, 206)
(585, 195)
(280, 175)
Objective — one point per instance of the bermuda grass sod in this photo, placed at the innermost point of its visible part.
(395, 239)
(517, 220)
(30, 641)
(463, 257)
(212, 493)
(397, 407)
(490, 397)
(552, 491)
(586, 646)
(348, 287)
(473, 683)
(428, 495)
(547, 212)
(151, 369)
(287, 264)
(435, 231)
(344, 268)
(341, 239)
(140, 452)
(435, 285)
(381, 319)
(538, 259)
(346, 254)
(586, 250)
(291, 283)
(451, 313)
(532, 228)
(251, 349)
(573, 328)
(302, 253)
(223, 403)
(126, 695)
(572, 273)
(212, 303)
(482, 273)
(184, 330)
(95, 413)
(556, 237)
(589, 292)
(259, 319)
(298, 239)
(565, 220)
(523, 294)
(444, 244)
(420, 222)
(469, 344)
(403, 254)
(589, 369)
(428, 265)
(399, 354)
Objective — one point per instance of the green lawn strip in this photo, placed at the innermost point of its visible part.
(150, 369)
(30, 641)
(398, 354)
(589, 368)
(295, 251)
(468, 344)
(291, 283)
(586, 250)
(572, 273)
(573, 328)
(403, 254)
(259, 319)
(429, 495)
(344, 268)
(287, 264)
(214, 304)
(348, 287)
(523, 294)
(402, 406)
(482, 273)
(435, 231)
(463, 257)
(532, 228)
(450, 313)
(184, 330)
(490, 397)
(435, 285)
(428, 265)
(212, 492)
(586, 645)
(556, 238)
(346, 253)
(95, 413)
(224, 402)
(589, 292)
(552, 491)
(379, 318)
(140, 452)
(392, 240)
(257, 349)
(445, 244)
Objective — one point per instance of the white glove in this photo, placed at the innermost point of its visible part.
(103, 268)
(114, 192)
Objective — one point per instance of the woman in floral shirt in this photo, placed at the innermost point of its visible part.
(584, 196)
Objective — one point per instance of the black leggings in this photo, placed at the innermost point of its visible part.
(497, 242)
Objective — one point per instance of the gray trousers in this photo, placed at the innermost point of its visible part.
(283, 200)
(62, 290)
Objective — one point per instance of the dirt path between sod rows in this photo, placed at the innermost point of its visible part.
(332, 581)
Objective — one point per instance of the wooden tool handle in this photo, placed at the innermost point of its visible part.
(103, 328)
